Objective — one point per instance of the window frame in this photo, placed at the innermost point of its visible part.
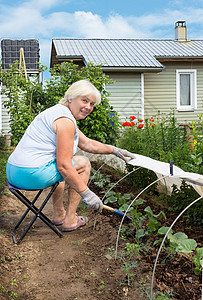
(193, 89)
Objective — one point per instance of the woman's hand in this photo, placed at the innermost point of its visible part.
(123, 154)
(91, 200)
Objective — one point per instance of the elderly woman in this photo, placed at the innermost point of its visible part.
(45, 154)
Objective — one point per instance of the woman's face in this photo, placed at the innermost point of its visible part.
(82, 106)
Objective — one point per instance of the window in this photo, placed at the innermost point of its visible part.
(186, 90)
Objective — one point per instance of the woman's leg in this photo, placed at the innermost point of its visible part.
(58, 207)
(69, 218)
(83, 167)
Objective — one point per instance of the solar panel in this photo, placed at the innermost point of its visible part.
(10, 52)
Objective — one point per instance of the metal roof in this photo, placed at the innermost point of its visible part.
(128, 53)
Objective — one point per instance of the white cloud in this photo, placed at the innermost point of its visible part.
(37, 19)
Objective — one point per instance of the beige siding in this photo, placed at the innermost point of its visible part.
(125, 94)
(5, 117)
(160, 92)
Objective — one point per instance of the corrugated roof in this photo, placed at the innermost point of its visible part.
(128, 53)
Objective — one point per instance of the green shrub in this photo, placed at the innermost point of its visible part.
(100, 125)
(181, 198)
(2, 142)
(3, 160)
(26, 99)
(165, 140)
(21, 100)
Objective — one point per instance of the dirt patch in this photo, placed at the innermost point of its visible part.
(81, 264)
(44, 266)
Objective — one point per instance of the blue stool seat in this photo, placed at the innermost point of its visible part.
(37, 211)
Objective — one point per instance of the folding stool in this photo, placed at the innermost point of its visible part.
(31, 207)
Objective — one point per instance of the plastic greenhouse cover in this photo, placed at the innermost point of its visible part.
(164, 169)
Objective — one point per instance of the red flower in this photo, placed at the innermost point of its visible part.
(126, 124)
(152, 120)
(140, 126)
(132, 124)
(140, 120)
(132, 118)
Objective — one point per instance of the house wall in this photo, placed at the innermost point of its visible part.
(4, 117)
(126, 94)
(160, 92)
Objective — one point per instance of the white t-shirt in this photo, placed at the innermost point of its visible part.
(38, 144)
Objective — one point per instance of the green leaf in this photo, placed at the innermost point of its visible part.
(124, 207)
(163, 230)
(148, 211)
(140, 233)
(138, 202)
(199, 253)
(110, 199)
(187, 246)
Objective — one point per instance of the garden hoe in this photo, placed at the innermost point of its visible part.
(116, 211)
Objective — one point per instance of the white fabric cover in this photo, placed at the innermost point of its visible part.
(163, 169)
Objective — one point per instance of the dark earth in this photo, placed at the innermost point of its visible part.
(81, 264)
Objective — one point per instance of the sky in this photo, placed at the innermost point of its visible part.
(47, 19)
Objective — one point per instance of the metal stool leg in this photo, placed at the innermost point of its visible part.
(37, 211)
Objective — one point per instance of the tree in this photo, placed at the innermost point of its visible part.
(27, 99)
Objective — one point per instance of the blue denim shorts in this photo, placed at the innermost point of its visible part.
(34, 178)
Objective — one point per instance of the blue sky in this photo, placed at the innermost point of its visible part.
(47, 19)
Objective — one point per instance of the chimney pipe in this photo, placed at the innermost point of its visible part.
(180, 31)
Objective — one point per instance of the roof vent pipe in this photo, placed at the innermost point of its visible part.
(180, 31)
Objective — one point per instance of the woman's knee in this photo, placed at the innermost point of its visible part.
(82, 162)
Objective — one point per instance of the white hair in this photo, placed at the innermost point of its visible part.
(81, 88)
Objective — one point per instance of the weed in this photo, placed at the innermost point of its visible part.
(25, 276)
(2, 289)
(99, 179)
(144, 286)
(128, 263)
(4, 214)
(13, 295)
(93, 275)
(102, 284)
(110, 250)
(18, 256)
(77, 243)
(164, 296)
(198, 261)
(13, 281)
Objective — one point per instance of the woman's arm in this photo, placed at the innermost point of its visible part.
(65, 131)
(93, 146)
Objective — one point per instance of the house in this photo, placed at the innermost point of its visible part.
(150, 75)
(27, 53)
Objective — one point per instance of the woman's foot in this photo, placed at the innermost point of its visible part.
(59, 217)
(81, 221)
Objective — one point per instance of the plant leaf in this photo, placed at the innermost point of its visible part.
(187, 246)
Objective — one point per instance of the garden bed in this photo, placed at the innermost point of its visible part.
(81, 265)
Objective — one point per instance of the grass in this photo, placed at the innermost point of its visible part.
(4, 154)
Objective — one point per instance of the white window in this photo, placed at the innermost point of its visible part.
(186, 93)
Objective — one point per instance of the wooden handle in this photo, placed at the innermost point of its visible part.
(108, 208)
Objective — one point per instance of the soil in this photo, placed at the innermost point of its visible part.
(81, 264)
